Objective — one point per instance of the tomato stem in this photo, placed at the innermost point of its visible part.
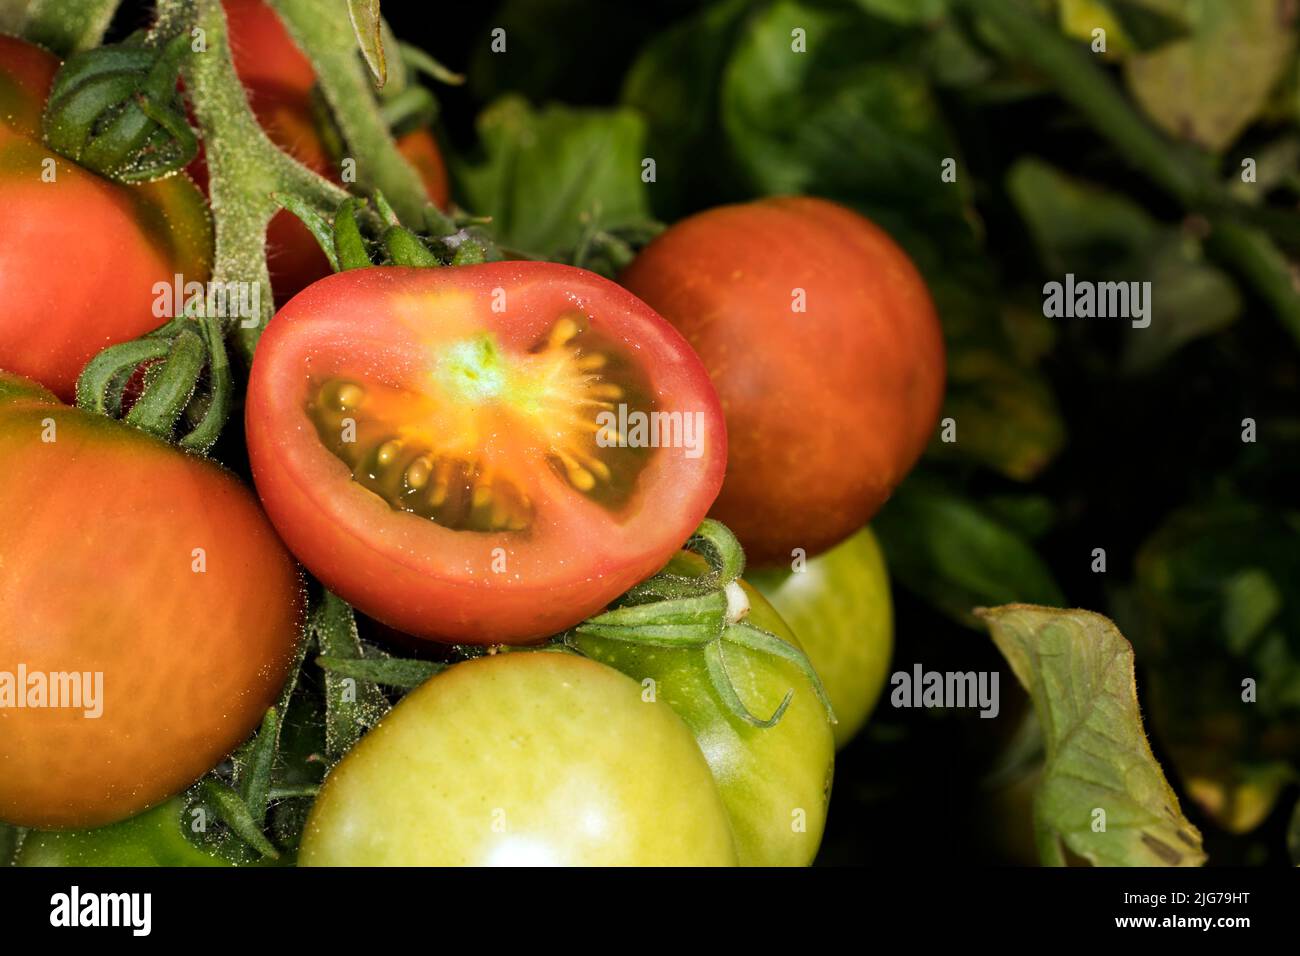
(699, 614)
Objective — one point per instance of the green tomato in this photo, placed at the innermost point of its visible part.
(523, 758)
(775, 781)
(839, 606)
(153, 838)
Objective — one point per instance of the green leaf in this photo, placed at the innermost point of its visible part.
(1209, 87)
(1101, 235)
(674, 84)
(1078, 669)
(949, 551)
(836, 121)
(350, 706)
(1129, 24)
(547, 174)
(1217, 591)
(905, 11)
(388, 671)
(367, 26)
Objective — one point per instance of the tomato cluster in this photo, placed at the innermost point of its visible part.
(507, 455)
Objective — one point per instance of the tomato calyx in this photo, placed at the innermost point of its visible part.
(358, 237)
(174, 358)
(117, 110)
(681, 612)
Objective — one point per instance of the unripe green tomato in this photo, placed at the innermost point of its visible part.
(517, 759)
(775, 781)
(153, 838)
(840, 608)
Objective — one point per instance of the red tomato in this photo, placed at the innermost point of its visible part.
(279, 79)
(79, 254)
(429, 443)
(127, 558)
(827, 408)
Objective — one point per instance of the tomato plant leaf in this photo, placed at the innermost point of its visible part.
(350, 706)
(1209, 87)
(388, 671)
(1101, 235)
(1103, 796)
(835, 121)
(547, 174)
(367, 25)
(905, 11)
(948, 550)
(1216, 618)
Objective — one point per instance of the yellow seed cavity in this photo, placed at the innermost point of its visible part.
(565, 328)
(388, 452)
(417, 474)
(351, 396)
(591, 362)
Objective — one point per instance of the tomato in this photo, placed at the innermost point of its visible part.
(154, 838)
(152, 575)
(839, 605)
(525, 758)
(775, 781)
(824, 345)
(79, 255)
(463, 453)
(279, 79)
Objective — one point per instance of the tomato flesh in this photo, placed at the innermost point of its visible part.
(450, 449)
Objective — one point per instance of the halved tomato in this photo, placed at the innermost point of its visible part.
(483, 454)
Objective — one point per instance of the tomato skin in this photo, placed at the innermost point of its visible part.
(154, 838)
(79, 256)
(840, 607)
(408, 572)
(828, 408)
(525, 758)
(98, 546)
(278, 79)
(770, 778)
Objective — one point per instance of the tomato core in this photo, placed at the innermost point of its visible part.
(448, 449)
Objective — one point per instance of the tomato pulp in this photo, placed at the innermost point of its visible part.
(80, 255)
(824, 345)
(141, 582)
(480, 454)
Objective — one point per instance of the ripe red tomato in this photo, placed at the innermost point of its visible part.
(79, 254)
(431, 444)
(279, 79)
(127, 558)
(827, 408)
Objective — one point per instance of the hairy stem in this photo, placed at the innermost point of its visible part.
(323, 30)
(245, 168)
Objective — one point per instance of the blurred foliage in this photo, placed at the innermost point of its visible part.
(547, 173)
